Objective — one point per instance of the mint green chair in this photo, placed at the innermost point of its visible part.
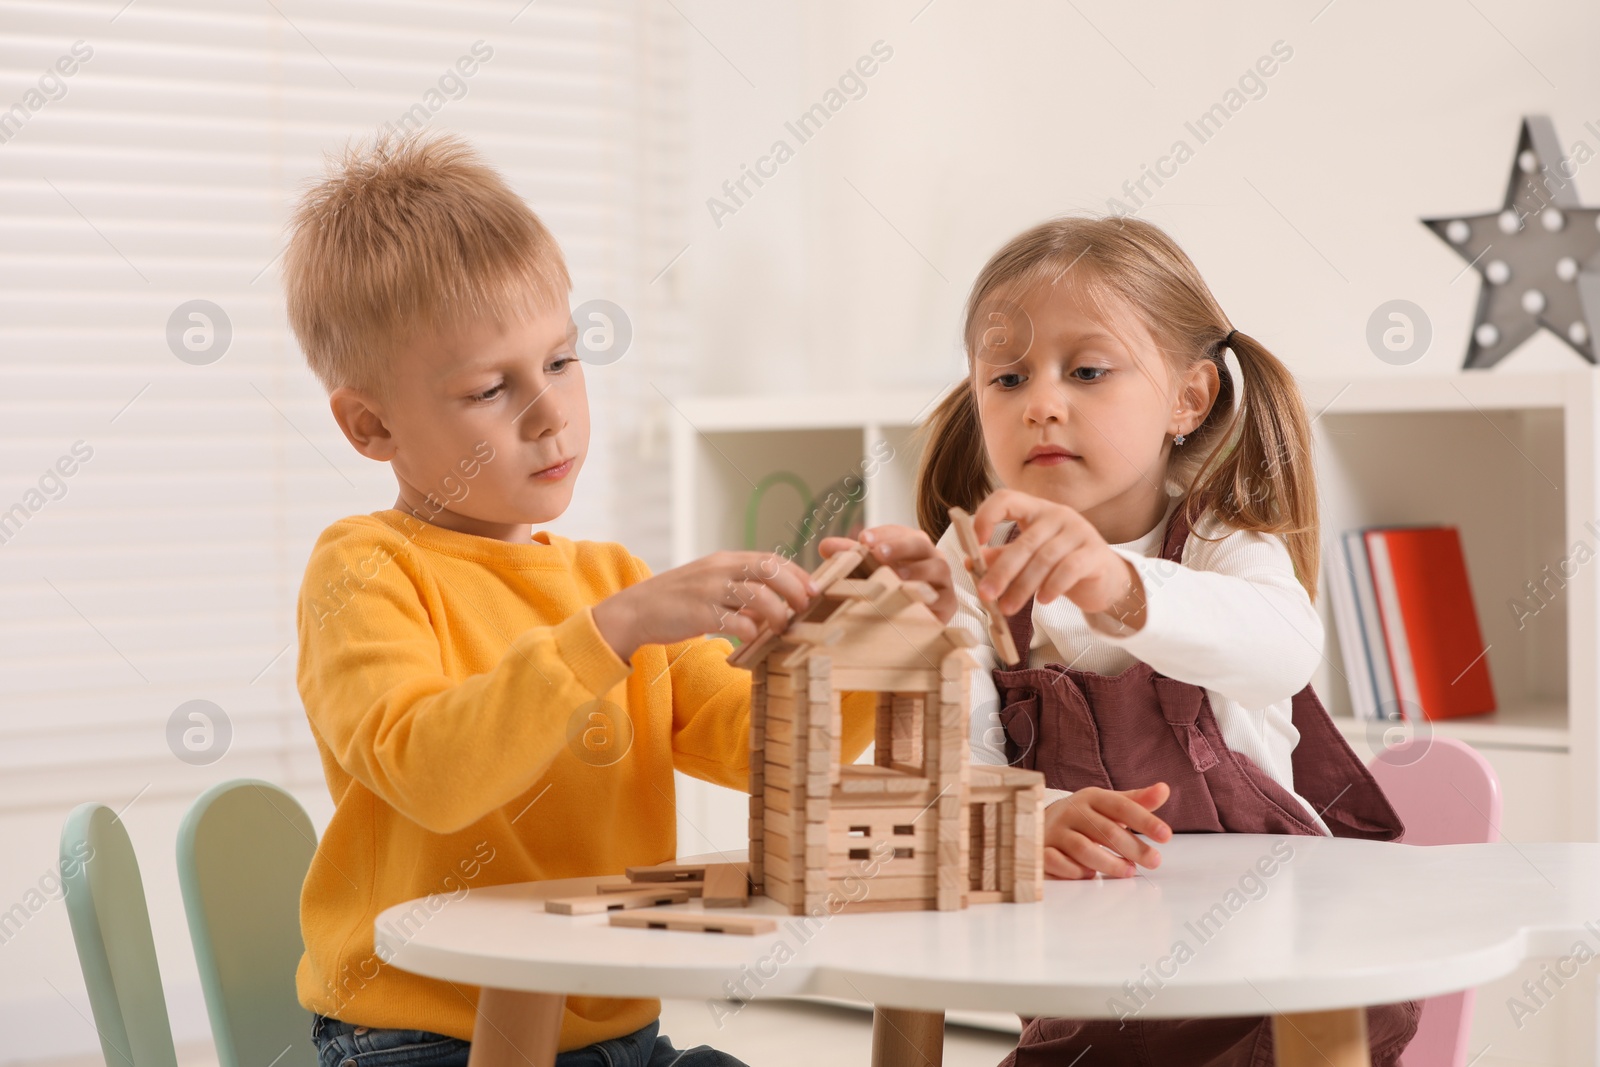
(111, 927)
(243, 852)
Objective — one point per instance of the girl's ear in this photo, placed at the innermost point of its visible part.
(1197, 392)
(359, 417)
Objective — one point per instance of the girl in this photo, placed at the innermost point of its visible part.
(1151, 534)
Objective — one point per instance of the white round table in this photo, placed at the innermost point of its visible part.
(1309, 930)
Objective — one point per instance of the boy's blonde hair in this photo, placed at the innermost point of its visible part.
(404, 236)
(1248, 464)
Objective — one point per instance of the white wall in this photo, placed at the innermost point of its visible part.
(991, 117)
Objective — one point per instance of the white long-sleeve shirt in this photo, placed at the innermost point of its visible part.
(1232, 617)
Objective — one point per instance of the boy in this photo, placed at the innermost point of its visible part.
(491, 705)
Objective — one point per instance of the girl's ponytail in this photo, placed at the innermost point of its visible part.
(1261, 478)
(954, 471)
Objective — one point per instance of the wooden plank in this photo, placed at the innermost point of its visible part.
(779, 753)
(726, 886)
(915, 887)
(596, 903)
(779, 683)
(814, 633)
(999, 631)
(883, 729)
(667, 872)
(689, 922)
(881, 819)
(884, 679)
(869, 905)
(985, 896)
(692, 888)
(990, 849)
(856, 588)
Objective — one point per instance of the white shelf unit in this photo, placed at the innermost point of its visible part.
(723, 446)
(1509, 459)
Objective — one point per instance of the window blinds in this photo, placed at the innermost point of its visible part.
(166, 462)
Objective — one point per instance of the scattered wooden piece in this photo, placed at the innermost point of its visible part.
(689, 922)
(667, 872)
(603, 902)
(999, 629)
(692, 888)
(726, 886)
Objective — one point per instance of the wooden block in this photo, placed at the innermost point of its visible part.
(779, 754)
(840, 565)
(967, 535)
(857, 588)
(819, 686)
(687, 922)
(692, 888)
(814, 633)
(667, 872)
(868, 904)
(779, 684)
(960, 637)
(884, 680)
(602, 902)
(776, 798)
(726, 886)
(976, 896)
(780, 714)
(915, 887)
(989, 849)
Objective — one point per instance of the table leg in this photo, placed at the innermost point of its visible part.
(1322, 1038)
(905, 1038)
(516, 1029)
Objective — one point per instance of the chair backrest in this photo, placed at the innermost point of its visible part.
(111, 928)
(1447, 794)
(1443, 789)
(243, 852)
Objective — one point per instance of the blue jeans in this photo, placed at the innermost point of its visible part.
(342, 1044)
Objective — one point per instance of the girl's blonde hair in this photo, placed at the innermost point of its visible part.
(1249, 466)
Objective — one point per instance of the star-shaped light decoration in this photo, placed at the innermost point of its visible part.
(1539, 255)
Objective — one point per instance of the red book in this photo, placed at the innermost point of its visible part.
(1430, 625)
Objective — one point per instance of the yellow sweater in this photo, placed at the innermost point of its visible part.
(453, 684)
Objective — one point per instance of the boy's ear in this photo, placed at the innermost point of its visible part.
(359, 417)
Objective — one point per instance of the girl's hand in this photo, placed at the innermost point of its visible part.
(913, 556)
(1058, 552)
(1076, 828)
(725, 592)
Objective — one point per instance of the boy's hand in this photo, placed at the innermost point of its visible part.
(726, 592)
(1080, 829)
(913, 556)
(1058, 553)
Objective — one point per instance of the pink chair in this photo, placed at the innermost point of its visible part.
(1446, 794)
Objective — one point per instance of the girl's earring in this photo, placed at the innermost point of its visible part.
(1178, 440)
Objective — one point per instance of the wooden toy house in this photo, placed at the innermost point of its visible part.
(919, 828)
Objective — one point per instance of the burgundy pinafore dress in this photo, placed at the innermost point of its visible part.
(1131, 729)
